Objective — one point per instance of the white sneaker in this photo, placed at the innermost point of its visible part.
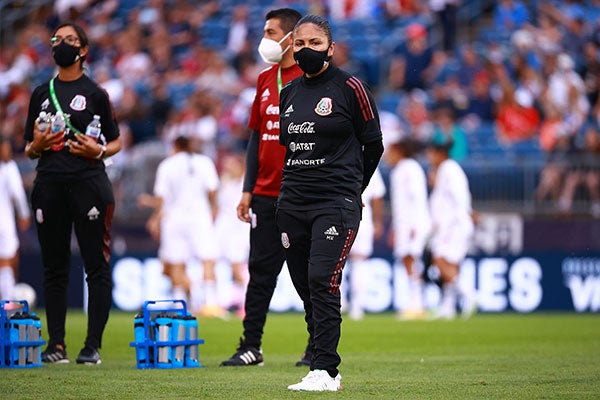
(318, 381)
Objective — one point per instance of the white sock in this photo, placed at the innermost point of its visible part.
(415, 290)
(449, 294)
(179, 293)
(357, 284)
(7, 283)
(239, 294)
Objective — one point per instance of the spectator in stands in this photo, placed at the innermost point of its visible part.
(557, 162)
(566, 92)
(584, 170)
(480, 108)
(342, 58)
(510, 15)
(446, 11)
(411, 60)
(414, 112)
(591, 72)
(469, 66)
(446, 128)
(517, 118)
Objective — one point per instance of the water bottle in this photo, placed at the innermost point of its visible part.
(43, 121)
(58, 124)
(34, 352)
(163, 326)
(191, 350)
(178, 332)
(93, 129)
(139, 332)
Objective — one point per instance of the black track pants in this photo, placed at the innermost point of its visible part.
(316, 245)
(87, 206)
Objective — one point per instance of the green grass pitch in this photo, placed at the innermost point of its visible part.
(491, 356)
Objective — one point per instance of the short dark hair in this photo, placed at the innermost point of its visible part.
(320, 22)
(182, 143)
(288, 17)
(83, 38)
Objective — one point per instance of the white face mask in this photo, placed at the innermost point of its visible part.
(270, 50)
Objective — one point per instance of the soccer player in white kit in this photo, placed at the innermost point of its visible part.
(450, 207)
(12, 195)
(232, 234)
(371, 228)
(185, 206)
(410, 219)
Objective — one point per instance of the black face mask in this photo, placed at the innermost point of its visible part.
(310, 61)
(65, 55)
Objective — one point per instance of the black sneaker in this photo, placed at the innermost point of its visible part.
(305, 360)
(55, 354)
(244, 355)
(88, 356)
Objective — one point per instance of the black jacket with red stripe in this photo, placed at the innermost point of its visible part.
(325, 123)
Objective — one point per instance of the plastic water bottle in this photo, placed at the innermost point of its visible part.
(58, 124)
(43, 121)
(139, 331)
(191, 350)
(178, 333)
(93, 129)
(163, 326)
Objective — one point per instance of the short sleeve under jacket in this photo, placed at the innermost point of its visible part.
(325, 121)
(264, 118)
(81, 99)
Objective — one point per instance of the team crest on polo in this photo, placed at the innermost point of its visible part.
(285, 240)
(78, 103)
(324, 106)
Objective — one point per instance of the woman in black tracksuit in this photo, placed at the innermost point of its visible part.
(330, 127)
(72, 189)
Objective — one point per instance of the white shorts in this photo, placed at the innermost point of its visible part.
(184, 239)
(451, 243)
(9, 243)
(406, 244)
(233, 238)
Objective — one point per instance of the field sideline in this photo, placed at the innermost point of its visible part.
(491, 356)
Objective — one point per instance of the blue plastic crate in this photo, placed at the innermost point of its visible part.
(166, 336)
(20, 336)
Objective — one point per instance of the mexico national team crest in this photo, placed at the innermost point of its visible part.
(78, 103)
(324, 106)
(285, 240)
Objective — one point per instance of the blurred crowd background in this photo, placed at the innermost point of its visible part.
(515, 83)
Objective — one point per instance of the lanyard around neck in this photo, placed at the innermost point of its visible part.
(279, 85)
(59, 108)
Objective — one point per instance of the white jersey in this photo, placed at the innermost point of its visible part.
(410, 208)
(363, 244)
(450, 207)
(183, 181)
(12, 195)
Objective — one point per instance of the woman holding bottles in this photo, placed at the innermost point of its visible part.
(71, 189)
